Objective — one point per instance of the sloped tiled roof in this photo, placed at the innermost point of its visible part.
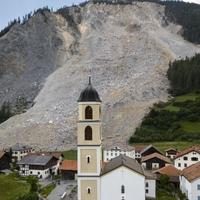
(186, 151)
(55, 154)
(168, 170)
(155, 155)
(69, 165)
(148, 147)
(171, 149)
(122, 160)
(192, 172)
(35, 160)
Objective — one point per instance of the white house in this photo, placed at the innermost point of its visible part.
(125, 178)
(187, 158)
(41, 166)
(19, 151)
(109, 154)
(190, 182)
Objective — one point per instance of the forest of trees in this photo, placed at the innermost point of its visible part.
(184, 75)
(164, 125)
(7, 109)
(187, 15)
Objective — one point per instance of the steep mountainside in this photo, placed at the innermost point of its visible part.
(126, 48)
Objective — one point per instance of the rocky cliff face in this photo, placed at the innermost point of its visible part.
(126, 48)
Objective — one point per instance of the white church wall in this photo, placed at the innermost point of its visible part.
(111, 185)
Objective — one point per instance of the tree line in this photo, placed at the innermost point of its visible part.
(164, 125)
(8, 110)
(23, 20)
(184, 75)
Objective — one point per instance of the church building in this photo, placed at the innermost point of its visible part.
(122, 178)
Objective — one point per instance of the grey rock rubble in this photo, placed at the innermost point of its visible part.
(126, 48)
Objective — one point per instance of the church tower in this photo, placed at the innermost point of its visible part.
(89, 144)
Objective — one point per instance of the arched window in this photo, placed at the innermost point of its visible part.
(88, 133)
(88, 112)
(88, 159)
(88, 190)
(122, 189)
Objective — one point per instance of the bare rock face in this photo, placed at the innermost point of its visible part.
(126, 48)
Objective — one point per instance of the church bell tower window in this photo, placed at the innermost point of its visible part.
(88, 133)
(88, 112)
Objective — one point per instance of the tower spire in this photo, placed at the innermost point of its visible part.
(89, 79)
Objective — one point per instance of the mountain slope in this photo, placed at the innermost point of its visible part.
(126, 48)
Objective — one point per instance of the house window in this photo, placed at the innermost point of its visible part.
(89, 190)
(38, 172)
(122, 189)
(185, 158)
(88, 133)
(147, 184)
(88, 112)
(194, 159)
(155, 165)
(198, 187)
(88, 159)
(185, 165)
(179, 164)
(198, 198)
(147, 191)
(31, 172)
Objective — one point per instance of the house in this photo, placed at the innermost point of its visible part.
(5, 160)
(68, 169)
(41, 166)
(109, 154)
(130, 180)
(190, 182)
(187, 157)
(123, 177)
(19, 151)
(171, 171)
(141, 151)
(171, 153)
(154, 161)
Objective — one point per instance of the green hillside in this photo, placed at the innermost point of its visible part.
(176, 120)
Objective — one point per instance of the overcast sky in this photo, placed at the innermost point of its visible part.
(11, 9)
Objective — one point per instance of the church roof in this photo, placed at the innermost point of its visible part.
(89, 94)
(122, 160)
